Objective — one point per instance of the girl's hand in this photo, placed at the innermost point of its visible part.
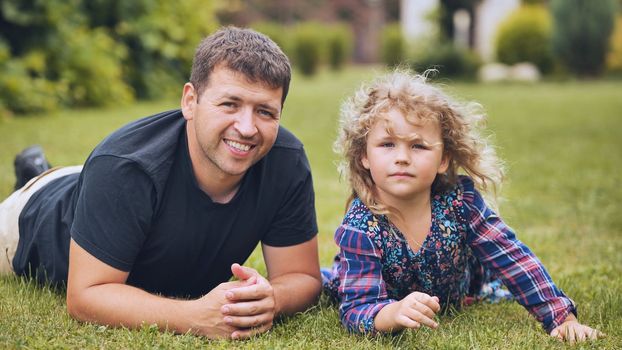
(572, 331)
(414, 310)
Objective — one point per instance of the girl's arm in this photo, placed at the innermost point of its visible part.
(414, 310)
(362, 291)
(496, 246)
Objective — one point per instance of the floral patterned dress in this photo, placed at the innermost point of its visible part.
(467, 248)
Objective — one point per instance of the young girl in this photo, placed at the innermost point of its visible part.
(417, 235)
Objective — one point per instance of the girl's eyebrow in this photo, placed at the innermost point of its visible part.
(413, 137)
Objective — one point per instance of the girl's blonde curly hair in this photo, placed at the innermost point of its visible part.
(417, 99)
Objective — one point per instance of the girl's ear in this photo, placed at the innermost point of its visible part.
(442, 168)
(365, 161)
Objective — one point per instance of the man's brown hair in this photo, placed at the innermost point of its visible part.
(245, 51)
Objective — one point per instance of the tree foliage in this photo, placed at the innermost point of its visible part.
(96, 52)
(581, 33)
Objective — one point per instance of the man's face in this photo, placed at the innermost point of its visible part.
(232, 125)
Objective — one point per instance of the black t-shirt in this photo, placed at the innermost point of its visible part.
(136, 206)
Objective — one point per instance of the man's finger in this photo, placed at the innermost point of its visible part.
(249, 321)
(250, 308)
(237, 284)
(250, 292)
(242, 272)
(247, 333)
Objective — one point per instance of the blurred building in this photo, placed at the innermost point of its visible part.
(474, 26)
(366, 17)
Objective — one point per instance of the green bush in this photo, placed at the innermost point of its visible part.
(339, 45)
(96, 52)
(581, 33)
(22, 93)
(307, 47)
(449, 60)
(89, 64)
(277, 32)
(525, 36)
(614, 59)
(159, 35)
(392, 46)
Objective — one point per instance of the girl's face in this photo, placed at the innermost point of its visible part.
(404, 160)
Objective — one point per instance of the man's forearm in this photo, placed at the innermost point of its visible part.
(295, 292)
(122, 305)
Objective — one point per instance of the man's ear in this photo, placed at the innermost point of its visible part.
(189, 100)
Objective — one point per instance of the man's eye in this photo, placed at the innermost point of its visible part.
(266, 113)
(228, 104)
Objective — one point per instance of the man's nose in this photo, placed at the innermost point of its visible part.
(245, 123)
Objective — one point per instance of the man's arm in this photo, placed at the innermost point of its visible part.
(294, 273)
(96, 292)
(294, 284)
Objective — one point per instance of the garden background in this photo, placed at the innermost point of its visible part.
(73, 71)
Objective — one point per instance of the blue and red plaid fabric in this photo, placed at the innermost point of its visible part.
(376, 267)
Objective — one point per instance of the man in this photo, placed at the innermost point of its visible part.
(155, 224)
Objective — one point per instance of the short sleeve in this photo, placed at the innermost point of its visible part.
(295, 221)
(114, 210)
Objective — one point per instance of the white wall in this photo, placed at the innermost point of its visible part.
(489, 15)
(414, 18)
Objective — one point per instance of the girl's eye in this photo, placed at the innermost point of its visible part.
(387, 144)
(419, 146)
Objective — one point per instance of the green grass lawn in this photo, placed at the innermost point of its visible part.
(563, 147)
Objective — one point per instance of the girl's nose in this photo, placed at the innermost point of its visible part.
(402, 156)
(245, 123)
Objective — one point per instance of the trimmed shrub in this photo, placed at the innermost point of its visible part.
(449, 60)
(307, 48)
(277, 32)
(392, 46)
(339, 45)
(581, 33)
(89, 65)
(22, 93)
(525, 36)
(614, 59)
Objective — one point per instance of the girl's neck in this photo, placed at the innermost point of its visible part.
(413, 217)
(414, 206)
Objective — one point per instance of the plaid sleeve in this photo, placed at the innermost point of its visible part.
(496, 246)
(362, 291)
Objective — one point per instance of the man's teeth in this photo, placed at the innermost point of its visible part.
(238, 146)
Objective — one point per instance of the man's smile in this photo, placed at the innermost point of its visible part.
(237, 146)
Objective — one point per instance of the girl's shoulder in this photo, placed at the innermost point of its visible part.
(457, 199)
(456, 194)
(361, 219)
(358, 214)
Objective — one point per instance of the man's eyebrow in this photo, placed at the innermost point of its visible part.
(236, 98)
(269, 107)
